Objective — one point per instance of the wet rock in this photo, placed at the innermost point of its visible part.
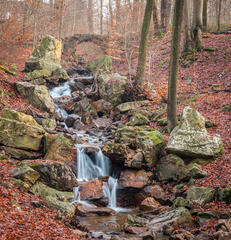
(92, 210)
(112, 87)
(102, 107)
(177, 217)
(49, 124)
(158, 193)
(102, 202)
(44, 62)
(54, 199)
(134, 179)
(102, 123)
(135, 230)
(138, 120)
(71, 119)
(128, 106)
(117, 152)
(151, 142)
(21, 154)
(181, 202)
(135, 160)
(191, 139)
(20, 130)
(26, 174)
(77, 86)
(149, 204)
(84, 106)
(91, 190)
(201, 195)
(56, 175)
(36, 95)
(79, 125)
(57, 147)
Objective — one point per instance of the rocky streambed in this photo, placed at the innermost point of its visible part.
(102, 166)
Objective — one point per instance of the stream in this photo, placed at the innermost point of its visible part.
(94, 166)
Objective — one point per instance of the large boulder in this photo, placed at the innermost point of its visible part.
(19, 130)
(44, 62)
(128, 106)
(55, 199)
(103, 64)
(191, 139)
(126, 135)
(112, 87)
(84, 106)
(36, 95)
(57, 175)
(59, 148)
(139, 120)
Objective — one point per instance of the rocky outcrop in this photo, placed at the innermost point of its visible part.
(44, 62)
(55, 199)
(134, 179)
(57, 147)
(56, 175)
(19, 130)
(36, 95)
(191, 139)
(112, 87)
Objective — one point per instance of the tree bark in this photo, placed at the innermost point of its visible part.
(101, 17)
(188, 45)
(197, 24)
(155, 16)
(163, 15)
(173, 67)
(219, 16)
(90, 15)
(205, 14)
(139, 80)
(118, 6)
(61, 8)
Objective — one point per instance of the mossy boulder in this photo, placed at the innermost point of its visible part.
(129, 106)
(84, 106)
(57, 147)
(55, 199)
(191, 139)
(26, 174)
(56, 175)
(101, 64)
(138, 120)
(19, 130)
(201, 195)
(126, 135)
(182, 202)
(112, 87)
(49, 124)
(36, 95)
(44, 62)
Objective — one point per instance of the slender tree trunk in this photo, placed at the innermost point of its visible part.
(205, 14)
(35, 29)
(111, 13)
(163, 15)
(61, 18)
(173, 67)
(90, 15)
(197, 24)
(155, 16)
(101, 17)
(75, 18)
(188, 45)
(118, 9)
(219, 16)
(139, 80)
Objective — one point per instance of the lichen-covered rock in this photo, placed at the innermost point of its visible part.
(112, 87)
(126, 135)
(26, 174)
(49, 124)
(57, 147)
(102, 106)
(20, 131)
(195, 171)
(101, 64)
(151, 142)
(36, 95)
(181, 202)
(201, 195)
(55, 199)
(84, 106)
(44, 62)
(57, 175)
(128, 106)
(138, 120)
(191, 139)
(21, 154)
(134, 179)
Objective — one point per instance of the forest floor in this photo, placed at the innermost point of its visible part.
(205, 83)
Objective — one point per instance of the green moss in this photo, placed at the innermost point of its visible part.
(103, 63)
(227, 195)
(162, 63)
(209, 49)
(7, 71)
(3, 158)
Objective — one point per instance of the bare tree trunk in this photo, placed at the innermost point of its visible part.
(61, 18)
(90, 15)
(139, 80)
(163, 15)
(101, 17)
(205, 14)
(75, 19)
(111, 13)
(173, 67)
(118, 9)
(219, 16)
(188, 45)
(35, 28)
(197, 24)
(155, 16)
